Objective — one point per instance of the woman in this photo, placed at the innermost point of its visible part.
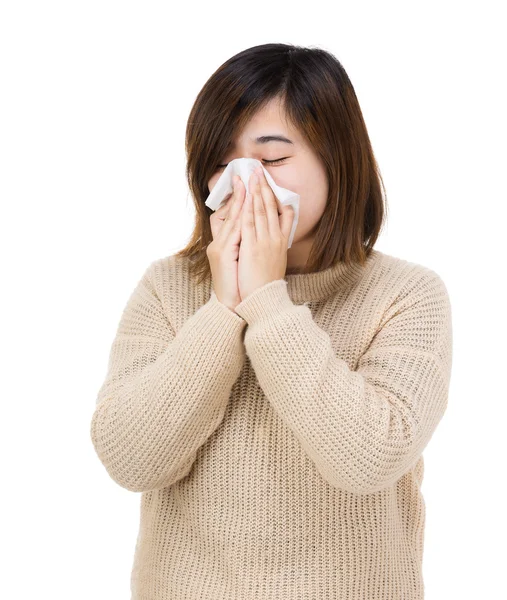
(273, 405)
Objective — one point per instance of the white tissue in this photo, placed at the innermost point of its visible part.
(244, 168)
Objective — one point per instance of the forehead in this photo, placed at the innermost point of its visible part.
(270, 120)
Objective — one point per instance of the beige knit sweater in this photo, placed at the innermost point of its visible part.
(278, 450)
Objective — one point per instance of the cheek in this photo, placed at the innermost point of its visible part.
(314, 199)
(312, 190)
(309, 212)
(311, 209)
(287, 176)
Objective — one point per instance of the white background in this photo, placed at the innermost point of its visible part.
(94, 101)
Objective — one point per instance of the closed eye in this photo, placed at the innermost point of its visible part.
(268, 162)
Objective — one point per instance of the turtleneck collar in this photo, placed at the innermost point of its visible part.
(308, 287)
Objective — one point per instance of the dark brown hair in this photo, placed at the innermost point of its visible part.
(321, 103)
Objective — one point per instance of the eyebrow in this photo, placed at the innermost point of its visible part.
(264, 139)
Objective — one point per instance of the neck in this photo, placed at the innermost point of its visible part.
(297, 255)
(321, 285)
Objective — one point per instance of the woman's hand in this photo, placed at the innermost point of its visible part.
(223, 251)
(265, 234)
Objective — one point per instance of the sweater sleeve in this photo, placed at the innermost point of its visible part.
(164, 393)
(363, 428)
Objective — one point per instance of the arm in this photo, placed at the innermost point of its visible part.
(363, 428)
(164, 393)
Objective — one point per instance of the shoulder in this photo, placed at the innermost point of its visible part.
(414, 299)
(167, 270)
(417, 307)
(406, 278)
(176, 288)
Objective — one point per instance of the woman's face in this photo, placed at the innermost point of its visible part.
(302, 171)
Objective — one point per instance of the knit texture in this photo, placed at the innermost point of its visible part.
(278, 448)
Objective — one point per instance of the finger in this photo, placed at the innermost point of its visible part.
(259, 212)
(247, 221)
(270, 205)
(225, 205)
(238, 197)
(230, 220)
(286, 221)
(216, 219)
